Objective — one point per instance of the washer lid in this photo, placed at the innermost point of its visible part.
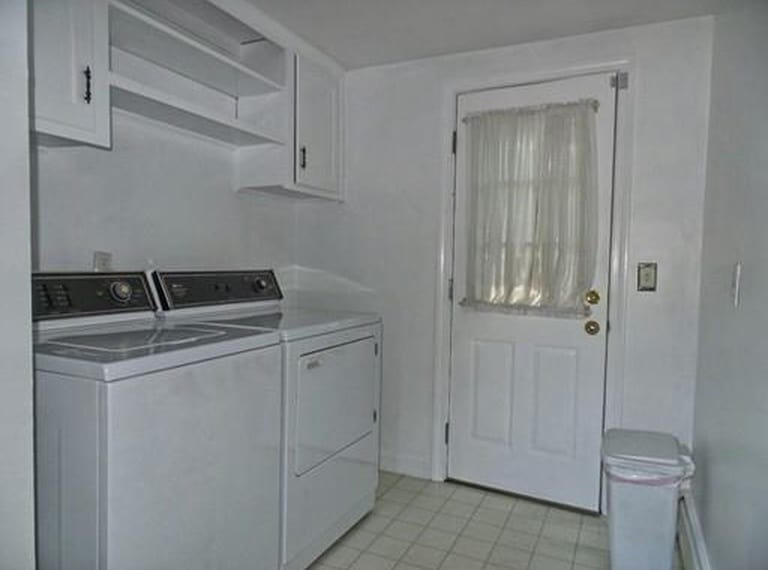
(641, 446)
(128, 349)
(148, 339)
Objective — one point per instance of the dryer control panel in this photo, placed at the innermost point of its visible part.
(180, 289)
(58, 295)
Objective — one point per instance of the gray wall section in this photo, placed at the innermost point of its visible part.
(158, 195)
(16, 496)
(731, 406)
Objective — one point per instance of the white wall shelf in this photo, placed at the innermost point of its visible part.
(290, 191)
(136, 98)
(134, 31)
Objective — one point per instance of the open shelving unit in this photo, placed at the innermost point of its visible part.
(133, 97)
(190, 65)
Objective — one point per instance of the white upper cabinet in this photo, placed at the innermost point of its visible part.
(308, 167)
(70, 70)
(317, 127)
(196, 65)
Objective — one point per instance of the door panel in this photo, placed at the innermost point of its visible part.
(493, 367)
(527, 389)
(554, 381)
(334, 401)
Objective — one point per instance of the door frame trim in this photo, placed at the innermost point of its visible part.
(619, 281)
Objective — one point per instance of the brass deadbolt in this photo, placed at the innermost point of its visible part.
(592, 327)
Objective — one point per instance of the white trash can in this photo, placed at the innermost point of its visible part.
(644, 471)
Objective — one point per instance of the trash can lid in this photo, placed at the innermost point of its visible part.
(630, 446)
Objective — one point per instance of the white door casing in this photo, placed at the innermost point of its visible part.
(527, 392)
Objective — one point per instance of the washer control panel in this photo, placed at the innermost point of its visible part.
(57, 295)
(180, 289)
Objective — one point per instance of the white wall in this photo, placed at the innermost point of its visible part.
(158, 195)
(731, 413)
(16, 495)
(386, 238)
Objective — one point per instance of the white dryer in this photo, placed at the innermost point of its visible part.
(332, 372)
(157, 443)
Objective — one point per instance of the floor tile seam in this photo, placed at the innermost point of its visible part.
(467, 520)
(572, 561)
(488, 556)
(426, 528)
(496, 542)
(458, 535)
(359, 554)
(413, 542)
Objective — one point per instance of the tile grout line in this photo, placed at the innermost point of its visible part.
(572, 561)
(380, 533)
(496, 542)
(448, 552)
(442, 500)
(463, 528)
(448, 498)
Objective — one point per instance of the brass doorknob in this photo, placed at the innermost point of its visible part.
(592, 297)
(592, 327)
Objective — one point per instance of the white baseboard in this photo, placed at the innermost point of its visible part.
(693, 548)
(415, 466)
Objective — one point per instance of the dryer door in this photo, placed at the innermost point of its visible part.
(334, 401)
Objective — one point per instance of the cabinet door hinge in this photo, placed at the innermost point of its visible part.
(447, 432)
(453, 143)
(450, 289)
(620, 80)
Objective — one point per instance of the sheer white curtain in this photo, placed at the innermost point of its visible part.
(532, 207)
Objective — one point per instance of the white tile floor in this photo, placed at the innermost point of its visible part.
(418, 525)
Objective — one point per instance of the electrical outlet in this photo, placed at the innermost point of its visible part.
(102, 261)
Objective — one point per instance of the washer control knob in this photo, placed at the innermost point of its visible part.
(261, 285)
(121, 291)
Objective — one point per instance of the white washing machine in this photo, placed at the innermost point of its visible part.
(332, 372)
(157, 443)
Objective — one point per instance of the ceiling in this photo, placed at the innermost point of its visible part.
(360, 33)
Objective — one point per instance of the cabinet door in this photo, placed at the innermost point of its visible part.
(317, 127)
(70, 48)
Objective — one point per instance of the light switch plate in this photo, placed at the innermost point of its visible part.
(647, 276)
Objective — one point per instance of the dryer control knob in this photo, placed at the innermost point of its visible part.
(121, 291)
(261, 285)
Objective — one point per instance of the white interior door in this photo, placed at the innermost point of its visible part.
(527, 389)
